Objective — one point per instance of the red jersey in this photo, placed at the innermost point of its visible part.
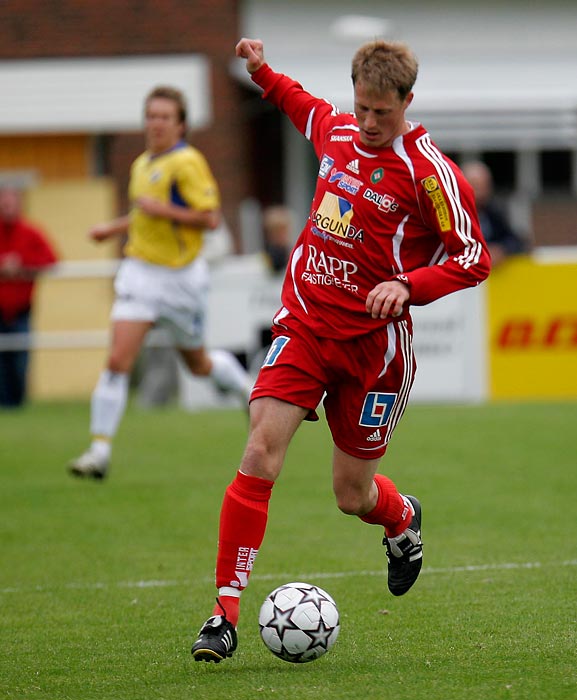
(32, 248)
(402, 211)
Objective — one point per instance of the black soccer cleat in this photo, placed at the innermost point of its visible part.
(405, 553)
(216, 641)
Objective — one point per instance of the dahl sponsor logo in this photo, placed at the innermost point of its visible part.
(384, 202)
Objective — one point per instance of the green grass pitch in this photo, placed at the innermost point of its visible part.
(103, 586)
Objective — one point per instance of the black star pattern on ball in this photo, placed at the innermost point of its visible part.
(282, 622)
(287, 656)
(320, 636)
(312, 595)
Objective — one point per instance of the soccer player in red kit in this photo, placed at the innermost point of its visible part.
(392, 223)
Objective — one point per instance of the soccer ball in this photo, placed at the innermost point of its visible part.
(299, 622)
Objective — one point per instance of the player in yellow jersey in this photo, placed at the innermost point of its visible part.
(163, 280)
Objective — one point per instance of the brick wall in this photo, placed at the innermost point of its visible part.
(555, 221)
(69, 28)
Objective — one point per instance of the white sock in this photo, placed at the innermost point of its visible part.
(227, 373)
(101, 448)
(108, 404)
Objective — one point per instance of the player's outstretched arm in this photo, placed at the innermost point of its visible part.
(102, 232)
(253, 51)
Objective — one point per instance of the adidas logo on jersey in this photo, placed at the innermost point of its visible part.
(353, 166)
(375, 437)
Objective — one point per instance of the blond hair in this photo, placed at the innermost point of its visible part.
(381, 66)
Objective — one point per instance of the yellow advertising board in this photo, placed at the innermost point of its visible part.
(532, 326)
(71, 311)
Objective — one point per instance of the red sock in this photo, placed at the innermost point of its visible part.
(243, 519)
(230, 606)
(391, 510)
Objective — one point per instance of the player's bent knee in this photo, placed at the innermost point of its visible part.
(260, 461)
(351, 504)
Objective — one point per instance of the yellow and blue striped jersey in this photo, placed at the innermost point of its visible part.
(180, 176)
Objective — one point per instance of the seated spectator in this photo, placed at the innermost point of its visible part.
(277, 225)
(501, 238)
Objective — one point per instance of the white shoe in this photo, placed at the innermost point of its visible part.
(91, 464)
(245, 394)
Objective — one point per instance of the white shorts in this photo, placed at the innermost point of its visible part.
(175, 298)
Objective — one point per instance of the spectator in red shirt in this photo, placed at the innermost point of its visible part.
(24, 253)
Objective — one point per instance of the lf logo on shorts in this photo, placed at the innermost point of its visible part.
(275, 350)
(377, 409)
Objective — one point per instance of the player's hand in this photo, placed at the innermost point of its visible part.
(100, 232)
(387, 299)
(252, 50)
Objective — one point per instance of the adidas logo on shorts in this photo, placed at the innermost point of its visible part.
(375, 437)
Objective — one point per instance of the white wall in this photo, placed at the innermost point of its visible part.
(96, 94)
(476, 60)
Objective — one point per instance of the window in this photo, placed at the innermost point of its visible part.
(502, 165)
(555, 168)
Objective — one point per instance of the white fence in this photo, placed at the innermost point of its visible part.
(449, 334)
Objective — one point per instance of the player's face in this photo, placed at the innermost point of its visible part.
(162, 127)
(381, 117)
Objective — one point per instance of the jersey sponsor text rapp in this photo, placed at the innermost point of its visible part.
(329, 270)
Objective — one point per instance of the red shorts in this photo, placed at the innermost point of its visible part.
(367, 380)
